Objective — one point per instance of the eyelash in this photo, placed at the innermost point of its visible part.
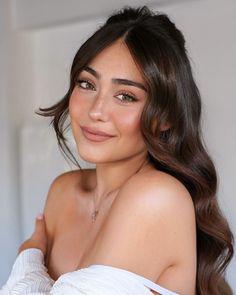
(90, 86)
(128, 97)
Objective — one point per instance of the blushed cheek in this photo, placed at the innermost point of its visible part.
(72, 107)
(75, 107)
(130, 124)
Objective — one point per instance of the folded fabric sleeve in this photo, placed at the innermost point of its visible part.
(29, 276)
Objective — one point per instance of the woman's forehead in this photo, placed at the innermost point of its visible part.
(117, 61)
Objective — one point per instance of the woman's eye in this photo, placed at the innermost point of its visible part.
(125, 97)
(84, 84)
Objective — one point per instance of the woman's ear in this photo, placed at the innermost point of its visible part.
(165, 131)
(164, 127)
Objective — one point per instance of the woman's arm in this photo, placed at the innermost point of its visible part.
(38, 239)
(29, 275)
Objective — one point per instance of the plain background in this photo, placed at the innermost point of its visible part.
(38, 40)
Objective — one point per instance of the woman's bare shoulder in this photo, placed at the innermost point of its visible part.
(158, 187)
(158, 196)
(76, 177)
(62, 188)
(81, 179)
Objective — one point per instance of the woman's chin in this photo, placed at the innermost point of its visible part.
(93, 158)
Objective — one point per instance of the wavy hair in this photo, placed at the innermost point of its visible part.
(158, 48)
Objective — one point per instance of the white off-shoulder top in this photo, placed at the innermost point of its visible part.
(29, 276)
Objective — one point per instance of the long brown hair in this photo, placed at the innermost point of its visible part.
(158, 48)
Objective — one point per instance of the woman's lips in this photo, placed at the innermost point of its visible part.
(95, 135)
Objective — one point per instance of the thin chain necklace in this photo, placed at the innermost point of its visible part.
(95, 209)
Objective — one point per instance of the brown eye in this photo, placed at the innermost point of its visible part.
(84, 84)
(125, 97)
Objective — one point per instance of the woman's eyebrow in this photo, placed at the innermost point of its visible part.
(129, 82)
(116, 80)
(92, 72)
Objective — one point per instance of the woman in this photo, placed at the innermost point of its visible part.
(149, 208)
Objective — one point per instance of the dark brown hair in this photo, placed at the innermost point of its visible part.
(158, 48)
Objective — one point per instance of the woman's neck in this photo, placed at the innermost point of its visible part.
(112, 176)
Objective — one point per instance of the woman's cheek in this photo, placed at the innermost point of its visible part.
(130, 122)
(75, 106)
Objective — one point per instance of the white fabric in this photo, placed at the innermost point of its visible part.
(29, 276)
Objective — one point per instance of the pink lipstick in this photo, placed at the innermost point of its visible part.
(95, 134)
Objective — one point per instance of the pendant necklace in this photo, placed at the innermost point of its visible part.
(96, 210)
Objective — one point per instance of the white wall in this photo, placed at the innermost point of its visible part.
(37, 74)
(9, 213)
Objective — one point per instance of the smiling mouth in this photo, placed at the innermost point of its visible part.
(95, 135)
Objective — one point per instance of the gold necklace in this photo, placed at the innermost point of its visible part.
(96, 210)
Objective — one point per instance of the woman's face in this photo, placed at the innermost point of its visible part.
(106, 106)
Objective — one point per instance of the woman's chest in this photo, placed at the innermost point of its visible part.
(71, 244)
(75, 234)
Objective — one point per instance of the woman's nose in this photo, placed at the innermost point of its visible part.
(99, 108)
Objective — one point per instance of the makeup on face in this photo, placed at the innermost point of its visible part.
(106, 106)
(95, 134)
